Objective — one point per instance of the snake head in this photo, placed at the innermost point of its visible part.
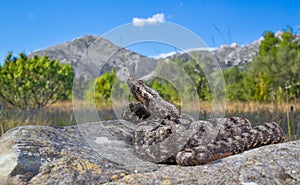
(141, 91)
(130, 81)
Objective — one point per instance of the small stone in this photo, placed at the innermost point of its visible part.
(258, 163)
(250, 162)
(114, 177)
(123, 174)
(249, 183)
(166, 177)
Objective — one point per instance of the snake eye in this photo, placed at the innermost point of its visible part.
(140, 81)
(168, 117)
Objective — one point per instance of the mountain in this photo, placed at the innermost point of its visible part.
(234, 54)
(226, 55)
(229, 55)
(68, 52)
(93, 55)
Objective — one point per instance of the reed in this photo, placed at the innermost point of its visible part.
(61, 114)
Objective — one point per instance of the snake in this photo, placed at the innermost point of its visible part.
(164, 135)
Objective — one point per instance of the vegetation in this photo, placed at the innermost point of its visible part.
(266, 89)
(165, 89)
(60, 114)
(34, 83)
(273, 75)
(100, 90)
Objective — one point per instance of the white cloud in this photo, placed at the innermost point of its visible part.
(164, 55)
(156, 18)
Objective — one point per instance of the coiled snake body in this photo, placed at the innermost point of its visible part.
(164, 135)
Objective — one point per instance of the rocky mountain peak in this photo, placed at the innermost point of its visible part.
(97, 55)
(105, 55)
(68, 52)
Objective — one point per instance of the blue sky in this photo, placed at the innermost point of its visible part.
(28, 25)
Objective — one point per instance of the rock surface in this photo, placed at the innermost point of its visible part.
(65, 155)
(90, 50)
(225, 55)
(94, 55)
(95, 49)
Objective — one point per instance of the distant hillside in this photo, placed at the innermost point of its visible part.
(226, 55)
(93, 55)
(229, 55)
(97, 55)
(68, 52)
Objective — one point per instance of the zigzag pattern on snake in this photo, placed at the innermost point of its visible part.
(164, 135)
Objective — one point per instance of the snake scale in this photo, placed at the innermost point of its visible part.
(164, 135)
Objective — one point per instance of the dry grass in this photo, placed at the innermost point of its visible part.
(61, 114)
(286, 115)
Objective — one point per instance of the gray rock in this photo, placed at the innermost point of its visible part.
(225, 55)
(48, 155)
(94, 55)
(69, 155)
(231, 55)
(68, 52)
(272, 164)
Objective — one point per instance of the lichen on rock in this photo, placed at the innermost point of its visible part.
(61, 155)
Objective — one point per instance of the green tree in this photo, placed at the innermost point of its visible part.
(34, 83)
(274, 70)
(165, 90)
(234, 83)
(100, 90)
(194, 69)
(276, 66)
(288, 64)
